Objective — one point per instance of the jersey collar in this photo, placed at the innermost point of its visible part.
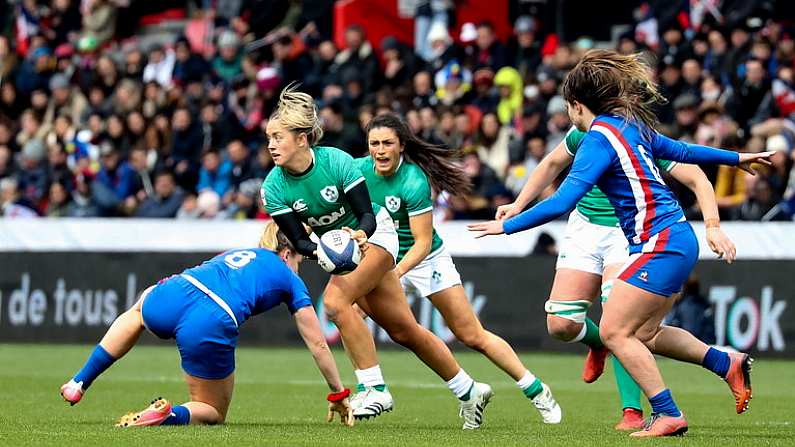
(400, 163)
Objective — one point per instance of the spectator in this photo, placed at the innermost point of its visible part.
(188, 66)
(160, 66)
(358, 55)
(57, 168)
(82, 203)
(442, 48)
(32, 176)
(244, 205)
(691, 78)
(760, 199)
(215, 174)
(166, 200)
(686, 121)
(509, 85)
(240, 160)
(424, 95)
(490, 52)
(189, 210)
(487, 191)
(262, 164)
(290, 59)
(35, 71)
(493, 142)
(453, 84)
(525, 49)
(8, 58)
(399, 63)
(11, 104)
(116, 135)
(485, 98)
(185, 148)
(7, 164)
(64, 21)
(115, 174)
(337, 133)
(518, 174)
(58, 200)
(65, 100)
(99, 20)
(228, 63)
(12, 203)
(745, 101)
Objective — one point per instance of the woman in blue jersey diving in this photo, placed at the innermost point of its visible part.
(611, 96)
(202, 309)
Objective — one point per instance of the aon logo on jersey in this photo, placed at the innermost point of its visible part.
(328, 219)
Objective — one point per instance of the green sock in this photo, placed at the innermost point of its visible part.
(534, 389)
(628, 390)
(591, 335)
(466, 396)
(360, 387)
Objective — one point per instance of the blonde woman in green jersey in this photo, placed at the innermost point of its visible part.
(320, 187)
(592, 253)
(399, 172)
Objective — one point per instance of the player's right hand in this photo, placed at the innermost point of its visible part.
(507, 211)
(721, 245)
(343, 407)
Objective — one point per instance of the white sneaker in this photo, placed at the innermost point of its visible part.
(472, 409)
(547, 406)
(371, 403)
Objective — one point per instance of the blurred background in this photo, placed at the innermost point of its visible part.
(125, 110)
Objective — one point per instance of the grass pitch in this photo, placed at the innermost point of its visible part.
(279, 400)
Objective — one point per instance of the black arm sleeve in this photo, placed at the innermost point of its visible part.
(292, 227)
(359, 198)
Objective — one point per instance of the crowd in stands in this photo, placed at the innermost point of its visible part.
(99, 118)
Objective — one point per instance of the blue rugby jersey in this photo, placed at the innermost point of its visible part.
(619, 159)
(250, 281)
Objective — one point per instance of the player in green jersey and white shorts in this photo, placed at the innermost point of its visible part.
(320, 187)
(399, 172)
(592, 253)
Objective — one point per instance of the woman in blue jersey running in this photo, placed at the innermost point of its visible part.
(591, 255)
(202, 309)
(612, 97)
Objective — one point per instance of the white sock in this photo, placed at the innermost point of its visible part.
(460, 384)
(581, 335)
(370, 376)
(527, 379)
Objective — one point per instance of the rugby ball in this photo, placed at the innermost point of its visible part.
(337, 253)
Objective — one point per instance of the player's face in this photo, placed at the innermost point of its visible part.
(385, 148)
(282, 143)
(576, 115)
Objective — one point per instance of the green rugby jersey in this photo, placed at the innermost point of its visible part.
(405, 193)
(595, 206)
(317, 196)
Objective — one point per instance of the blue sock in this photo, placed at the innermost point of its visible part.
(97, 363)
(717, 361)
(179, 416)
(663, 403)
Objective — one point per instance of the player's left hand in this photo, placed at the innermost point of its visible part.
(747, 160)
(343, 407)
(359, 236)
(721, 245)
(486, 228)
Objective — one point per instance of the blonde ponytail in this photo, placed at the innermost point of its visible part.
(297, 112)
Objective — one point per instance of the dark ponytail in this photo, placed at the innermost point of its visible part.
(437, 162)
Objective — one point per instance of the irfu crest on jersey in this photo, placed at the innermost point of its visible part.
(330, 193)
(299, 206)
(392, 203)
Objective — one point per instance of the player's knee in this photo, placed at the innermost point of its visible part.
(566, 317)
(612, 333)
(335, 309)
(403, 334)
(561, 328)
(476, 340)
(647, 334)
